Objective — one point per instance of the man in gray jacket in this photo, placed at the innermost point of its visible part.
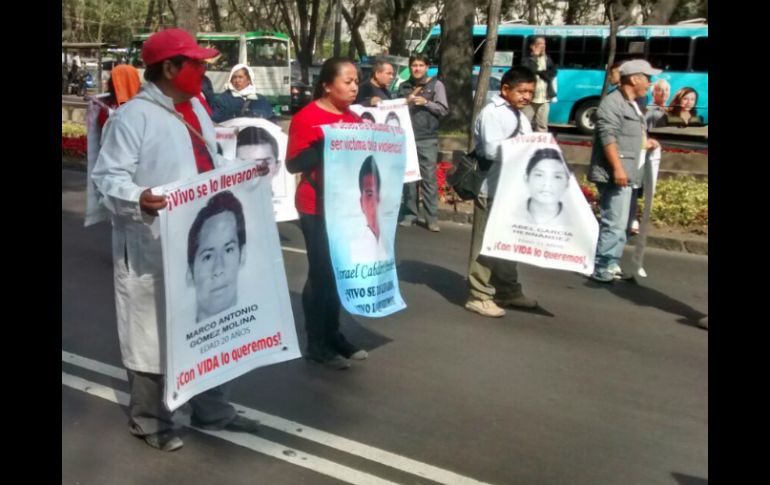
(620, 140)
(427, 101)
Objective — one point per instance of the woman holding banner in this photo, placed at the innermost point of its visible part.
(335, 91)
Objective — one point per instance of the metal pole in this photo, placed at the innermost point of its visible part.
(99, 70)
(337, 28)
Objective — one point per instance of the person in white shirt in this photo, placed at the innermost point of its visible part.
(162, 135)
(491, 279)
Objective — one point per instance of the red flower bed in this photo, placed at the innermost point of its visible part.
(74, 147)
(441, 170)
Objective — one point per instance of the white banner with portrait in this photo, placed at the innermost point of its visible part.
(394, 112)
(227, 299)
(650, 174)
(363, 168)
(539, 215)
(95, 211)
(259, 139)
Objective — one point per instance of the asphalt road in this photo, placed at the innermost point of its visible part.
(601, 385)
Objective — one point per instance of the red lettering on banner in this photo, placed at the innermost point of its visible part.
(185, 378)
(522, 249)
(255, 346)
(208, 365)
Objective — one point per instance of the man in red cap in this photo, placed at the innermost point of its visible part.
(161, 135)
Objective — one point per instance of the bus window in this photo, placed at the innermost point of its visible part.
(552, 47)
(479, 41)
(266, 52)
(513, 44)
(670, 53)
(228, 50)
(583, 53)
(628, 48)
(700, 62)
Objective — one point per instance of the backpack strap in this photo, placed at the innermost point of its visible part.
(518, 123)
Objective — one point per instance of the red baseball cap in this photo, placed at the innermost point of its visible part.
(173, 42)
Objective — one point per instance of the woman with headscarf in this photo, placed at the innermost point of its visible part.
(123, 85)
(240, 98)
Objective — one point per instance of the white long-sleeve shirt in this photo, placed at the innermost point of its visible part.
(495, 123)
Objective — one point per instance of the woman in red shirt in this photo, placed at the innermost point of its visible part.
(335, 91)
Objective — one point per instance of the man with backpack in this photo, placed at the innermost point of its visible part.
(493, 279)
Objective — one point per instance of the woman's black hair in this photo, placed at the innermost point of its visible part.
(330, 69)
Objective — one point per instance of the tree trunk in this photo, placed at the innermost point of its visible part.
(617, 19)
(80, 19)
(532, 11)
(456, 64)
(319, 46)
(662, 12)
(613, 47)
(354, 22)
(337, 30)
(102, 10)
(401, 11)
(148, 19)
(572, 11)
(287, 20)
(174, 18)
(159, 8)
(493, 19)
(187, 15)
(215, 15)
(303, 36)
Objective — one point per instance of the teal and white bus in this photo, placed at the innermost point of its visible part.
(267, 53)
(580, 53)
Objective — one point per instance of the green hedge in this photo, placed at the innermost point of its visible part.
(680, 202)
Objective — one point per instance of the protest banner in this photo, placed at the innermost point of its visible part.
(363, 179)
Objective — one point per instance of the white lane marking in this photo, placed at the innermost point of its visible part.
(367, 452)
(293, 250)
(254, 443)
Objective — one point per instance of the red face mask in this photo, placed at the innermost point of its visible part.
(190, 77)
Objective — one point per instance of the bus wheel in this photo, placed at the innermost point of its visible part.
(585, 117)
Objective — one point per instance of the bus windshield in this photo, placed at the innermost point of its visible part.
(267, 52)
